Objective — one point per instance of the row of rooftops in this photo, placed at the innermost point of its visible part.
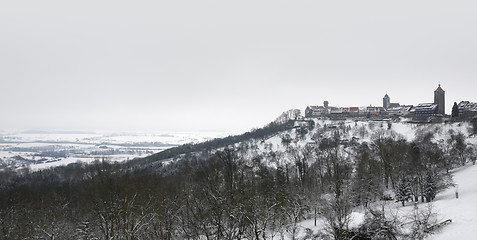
(420, 109)
(467, 106)
(466, 109)
(321, 110)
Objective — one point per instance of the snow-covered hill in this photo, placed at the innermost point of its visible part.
(361, 131)
(462, 211)
(270, 182)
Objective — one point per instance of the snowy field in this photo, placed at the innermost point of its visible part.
(42, 149)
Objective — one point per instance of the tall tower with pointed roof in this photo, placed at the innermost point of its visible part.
(440, 100)
(386, 101)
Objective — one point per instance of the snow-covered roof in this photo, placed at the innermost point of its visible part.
(400, 109)
(425, 107)
(467, 106)
(315, 108)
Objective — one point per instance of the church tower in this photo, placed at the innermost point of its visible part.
(386, 101)
(440, 100)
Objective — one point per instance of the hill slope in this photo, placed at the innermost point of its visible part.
(257, 186)
(462, 211)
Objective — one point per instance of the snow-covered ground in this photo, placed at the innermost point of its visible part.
(26, 150)
(365, 131)
(462, 211)
(42, 149)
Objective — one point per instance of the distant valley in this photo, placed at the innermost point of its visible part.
(42, 149)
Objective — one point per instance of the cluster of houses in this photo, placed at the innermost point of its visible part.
(318, 111)
(421, 112)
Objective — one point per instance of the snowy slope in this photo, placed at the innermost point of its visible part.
(462, 211)
(400, 129)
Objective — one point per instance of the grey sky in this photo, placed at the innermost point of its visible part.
(224, 65)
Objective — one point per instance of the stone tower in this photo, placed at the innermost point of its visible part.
(440, 100)
(386, 101)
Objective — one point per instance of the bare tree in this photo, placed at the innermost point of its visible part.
(337, 213)
(419, 221)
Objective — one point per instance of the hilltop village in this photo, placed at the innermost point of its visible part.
(422, 112)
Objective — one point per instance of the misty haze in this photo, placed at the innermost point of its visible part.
(245, 120)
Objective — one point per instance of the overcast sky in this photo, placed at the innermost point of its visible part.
(224, 65)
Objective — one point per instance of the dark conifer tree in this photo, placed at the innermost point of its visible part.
(455, 110)
(403, 191)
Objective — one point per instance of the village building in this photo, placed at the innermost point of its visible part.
(315, 111)
(402, 110)
(467, 110)
(423, 112)
(387, 104)
(335, 110)
(351, 111)
(427, 112)
(425, 109)
(374, 110)
(326, 110)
